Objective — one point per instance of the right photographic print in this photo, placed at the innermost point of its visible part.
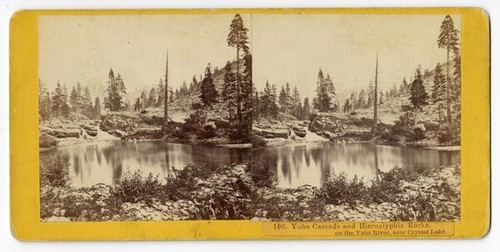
(356, 117)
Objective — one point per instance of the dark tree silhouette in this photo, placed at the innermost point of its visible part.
(448, 39)
(208, 92)
(418, 95)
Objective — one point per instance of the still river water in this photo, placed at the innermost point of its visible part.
(293, 166)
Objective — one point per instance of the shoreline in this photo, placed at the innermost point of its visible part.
(276, 142)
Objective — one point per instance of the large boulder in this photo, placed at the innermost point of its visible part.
(326, 122)
(119, 122)
(61, 132)
(130, 125)
(271, 133)
(300, 132)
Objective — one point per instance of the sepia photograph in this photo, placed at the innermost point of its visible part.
(261, 117)
(358, 116)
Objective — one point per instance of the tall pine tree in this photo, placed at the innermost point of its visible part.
(238, 37)
(448, 39)
(208, 94)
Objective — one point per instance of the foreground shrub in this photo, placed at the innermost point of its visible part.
(385, 187)
(182, 182)
(53, 179)
(339, 190)
(417, 208)
(227, 195)
(134, 188)
(260, 172)
(299, 204)
(54, 170)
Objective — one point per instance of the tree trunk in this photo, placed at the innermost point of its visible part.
(448, 101)
(165, 103)
(238, 98)
(375, 98)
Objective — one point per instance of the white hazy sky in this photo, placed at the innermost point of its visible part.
(286, 48)
(83, 48)
(292, 48)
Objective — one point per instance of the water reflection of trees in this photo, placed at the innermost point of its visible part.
(312, 163)
(298, 163)
(114, 159)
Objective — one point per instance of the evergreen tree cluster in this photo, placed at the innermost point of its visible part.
(116, 93)
(58, 104)
(155, 97)
(364, 98)
(268, 104)
(289, 102)
(325, 93)
(446, 87)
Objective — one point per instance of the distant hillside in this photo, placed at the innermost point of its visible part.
(181, 107)
(390, 110)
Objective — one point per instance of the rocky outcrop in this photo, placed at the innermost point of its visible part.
(272, 129)
(336, 126)
(69, 129)
(271, 133)
(327, 122)
(62, 132)
(132, 125)
(299, 131)
(119, 123)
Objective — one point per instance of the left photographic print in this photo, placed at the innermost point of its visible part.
(144, 117)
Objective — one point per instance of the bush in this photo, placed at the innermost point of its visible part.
(54, 170)
(241, 132)
(431, 126)
(339, 190)
(209, 130)
(183, 182)
(449, 137)
(416, 134)
(261, 173)
(227, 201)
(390, 137)
(417, 208)
(385, 187)
(134, 188)
(400, 128)
(47, 141)
(258, 141)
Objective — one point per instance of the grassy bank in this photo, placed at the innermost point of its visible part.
(249, 192)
